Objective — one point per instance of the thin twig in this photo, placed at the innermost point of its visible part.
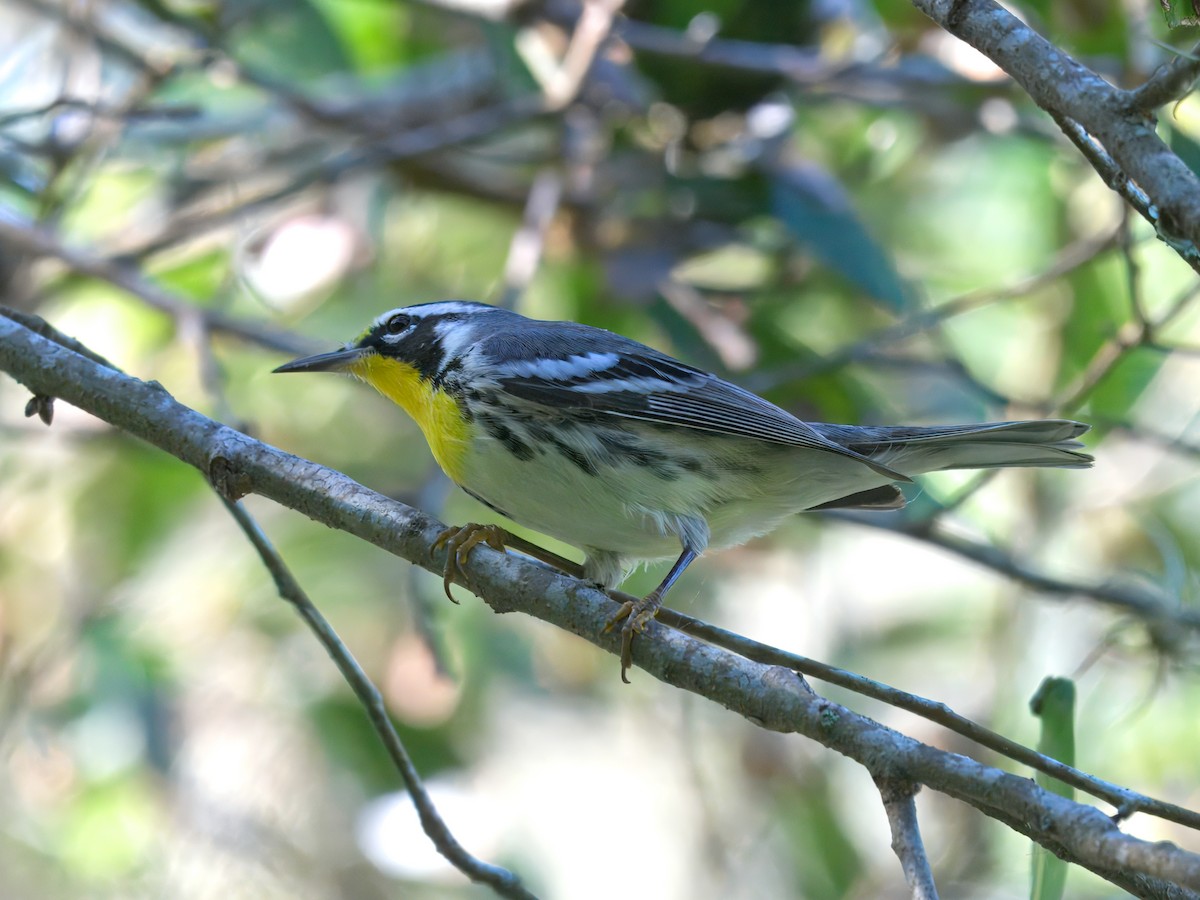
(1146, 604)
(1106, 358)
(407, 144)
(40, 326)
(525, 251)
(1129, 190)
(26, 237)
(1068, 260)
(1133, 279)
(899, 801)
(501, 880)
(563, 84)
(1151, 435)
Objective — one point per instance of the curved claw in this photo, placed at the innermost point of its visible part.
(459, 542)
(637, 614)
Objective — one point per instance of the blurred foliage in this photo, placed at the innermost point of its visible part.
(879, 228)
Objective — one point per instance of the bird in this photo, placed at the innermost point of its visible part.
(630, 455)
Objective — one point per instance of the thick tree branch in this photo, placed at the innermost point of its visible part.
(769, 696)
(1125, 801)
(1065, 88)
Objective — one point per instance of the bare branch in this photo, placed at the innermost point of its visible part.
(591, 30)
(899, 801)
(1169, 82)
(26, 237)
(773, 697)
(1150, 605)
(501, 880)
(504, 882)
(525, 251)
(1125, 801)
(1070, 91)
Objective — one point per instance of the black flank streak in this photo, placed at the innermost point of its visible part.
(740, 466)
(505, 435)
(539, 434)
(544, 436)
(581, 460)
(628, 448)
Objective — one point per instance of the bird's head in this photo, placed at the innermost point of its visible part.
(413, 340)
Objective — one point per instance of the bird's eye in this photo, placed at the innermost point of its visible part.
(397, 324)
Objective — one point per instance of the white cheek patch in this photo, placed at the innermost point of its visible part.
(564, 369)
(455, 342)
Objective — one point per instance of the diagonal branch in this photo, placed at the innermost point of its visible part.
(28, 238)
(1151, 606)
(1118, 120)
(1170, 82)
(502, 881)
(899, 801)
(1125, 801)
(772, 697)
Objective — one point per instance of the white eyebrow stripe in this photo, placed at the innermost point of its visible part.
(564, 369)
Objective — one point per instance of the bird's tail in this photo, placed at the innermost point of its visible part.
(913, 450)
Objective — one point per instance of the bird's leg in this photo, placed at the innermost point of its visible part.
(638, 613)
(572, 568)
(460, 542)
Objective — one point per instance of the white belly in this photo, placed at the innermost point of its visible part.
(740, 488)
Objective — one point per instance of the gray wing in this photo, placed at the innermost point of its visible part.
(593, 372)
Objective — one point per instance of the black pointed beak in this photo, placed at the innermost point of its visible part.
(334, 361)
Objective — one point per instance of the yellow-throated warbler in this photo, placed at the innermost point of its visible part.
(630, 455)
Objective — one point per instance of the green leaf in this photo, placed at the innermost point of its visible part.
(1179, 12)
(288, 38)
(1101, 308)
(1185, 148)
(818, 213)
(1054, 704)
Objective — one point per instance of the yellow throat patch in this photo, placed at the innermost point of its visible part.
(434, 411)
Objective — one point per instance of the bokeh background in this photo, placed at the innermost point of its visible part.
(831, 202)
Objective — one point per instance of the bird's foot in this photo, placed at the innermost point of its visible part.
(636, 614)
(459, 542)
